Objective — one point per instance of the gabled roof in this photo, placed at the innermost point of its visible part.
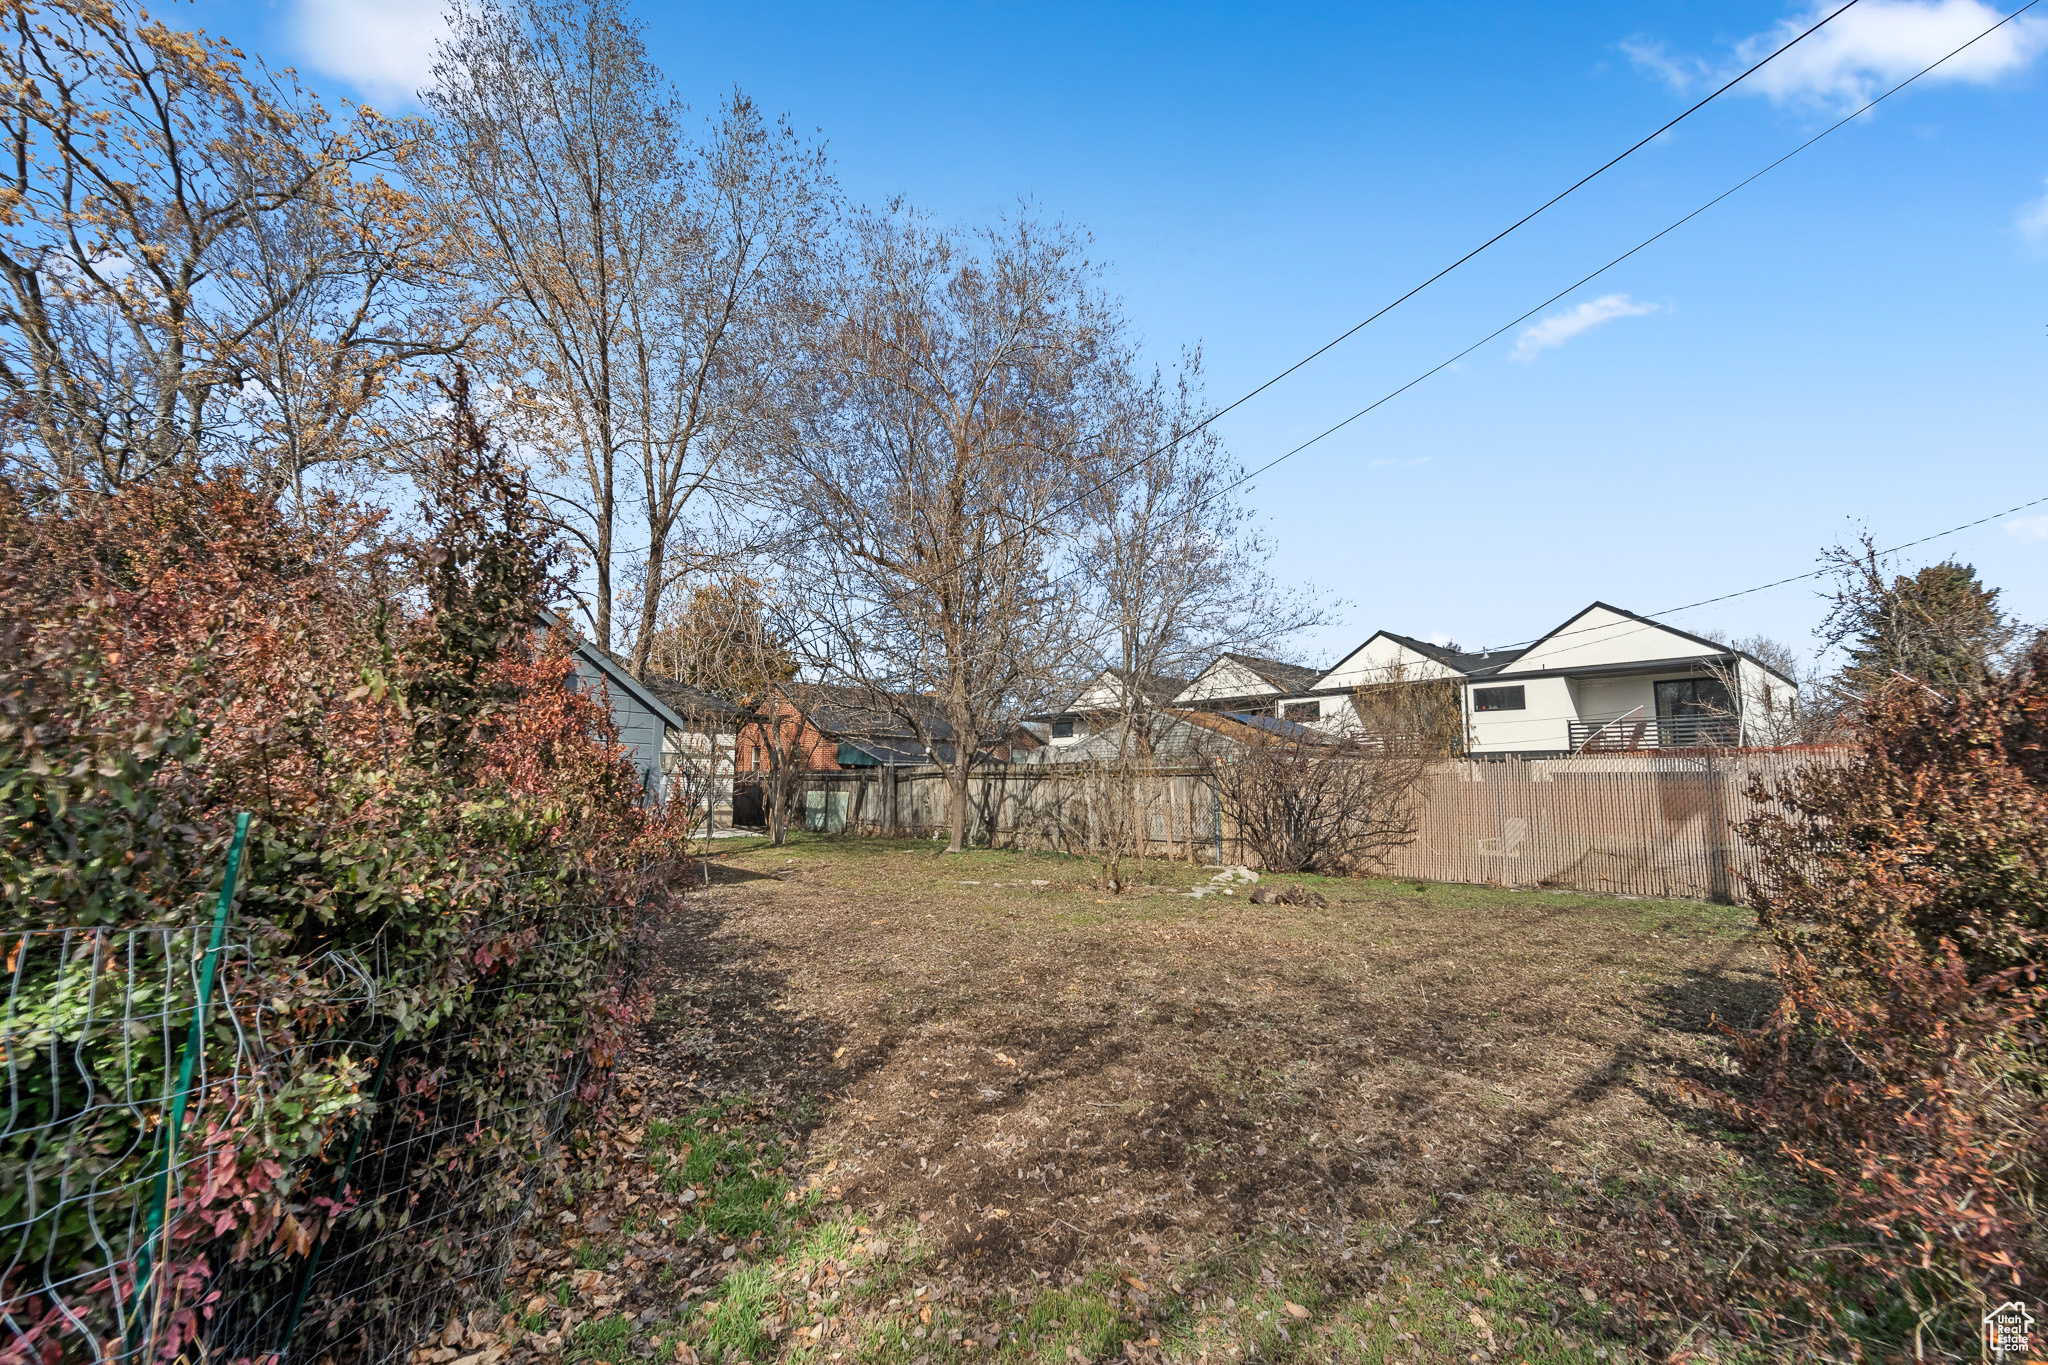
(1464, 661)
(1284, 676)
(693, 703)
(1632, 637)
(614, 673)
(1156, 688)
(1715, 645)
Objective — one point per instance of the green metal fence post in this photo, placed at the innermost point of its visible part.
(195, 1047)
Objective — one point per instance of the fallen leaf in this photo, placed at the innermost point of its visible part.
(1296, 1310)
(686, 1354)
(1006, 1059)
(1137, 1283)
(1586, 1294)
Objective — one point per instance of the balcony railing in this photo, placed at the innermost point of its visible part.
(1655, 732)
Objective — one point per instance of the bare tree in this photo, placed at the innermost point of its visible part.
(935, 467)
(1175, 573)
(1304, 802)
(201, 263)
(725, 642)
(649, 290)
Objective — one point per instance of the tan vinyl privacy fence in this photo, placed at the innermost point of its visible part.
(1642, 824)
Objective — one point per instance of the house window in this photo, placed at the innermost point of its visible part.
(1063, 728)
(1302, 710)
(1499, 699)
(1693, 697)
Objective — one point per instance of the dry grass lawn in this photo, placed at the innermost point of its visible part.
(1012, 1116)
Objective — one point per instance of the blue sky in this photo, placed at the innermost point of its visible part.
(1857, 339)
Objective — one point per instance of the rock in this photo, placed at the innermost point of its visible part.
(1288, 895)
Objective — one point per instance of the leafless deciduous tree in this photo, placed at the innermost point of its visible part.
(201, 263)
(949, 423)
(1175, 573)
(650, 290)
(1306, 803)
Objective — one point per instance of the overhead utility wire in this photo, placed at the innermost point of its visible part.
(1245, 478)
(1521, 222)
(1779, 583)
(1587, 279)
(1647, 241)
(1548, 204)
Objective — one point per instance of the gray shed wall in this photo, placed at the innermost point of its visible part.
(640, 730)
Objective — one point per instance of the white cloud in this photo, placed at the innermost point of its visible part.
(1559, 328)
(2027, 528)
(2032, 219)
(1872, 47)
(384, 49)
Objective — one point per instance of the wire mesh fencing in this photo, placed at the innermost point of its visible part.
(334, 1169)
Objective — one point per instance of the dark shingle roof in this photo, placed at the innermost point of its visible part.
(1465, 661)
(853, 712)
(1284, 676)
(692, 703)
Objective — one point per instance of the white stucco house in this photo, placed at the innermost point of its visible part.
(1604, 680)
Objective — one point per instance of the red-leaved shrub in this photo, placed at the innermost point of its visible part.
(447, 847)
(1904, 1070)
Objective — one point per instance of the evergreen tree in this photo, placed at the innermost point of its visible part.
(1938, 626)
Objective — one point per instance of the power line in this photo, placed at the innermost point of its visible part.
(1638, 247)
(1243, 479)
(1523, 221)
(1511, 228)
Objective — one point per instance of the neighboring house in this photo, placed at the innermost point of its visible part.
(1605, 679)
(822, 728)
(1101, 701)
(1251, 686)
(644, 720)
(1176, 736)
(705, 749)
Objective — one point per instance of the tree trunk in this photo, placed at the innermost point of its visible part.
(956, 784)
